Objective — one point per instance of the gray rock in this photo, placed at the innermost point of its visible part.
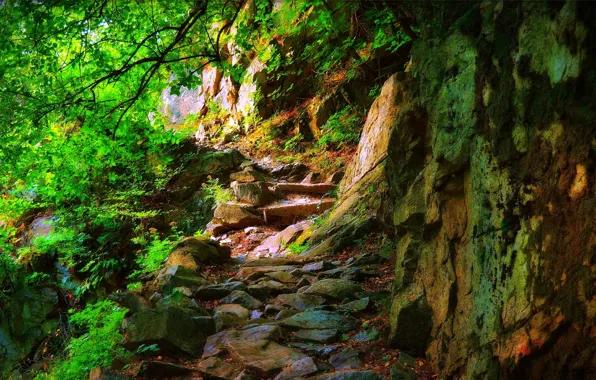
(217, 291)
(299, 301)
(298, 369)
(320, 320)
(317, 267)
(337, 289)
(319, 350)
(159, 369)
(242, 298)
(268, 288)
(132, 301)
(175, 276)
(348, 375)
(346, 359)
(172, 329)
(262, 356)
(233, 309)
(317, 336)
(216, 368)
(357, 306)
(215, 344)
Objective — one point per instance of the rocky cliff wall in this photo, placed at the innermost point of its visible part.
(491, 178)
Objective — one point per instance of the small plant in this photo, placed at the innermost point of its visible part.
(341, 128)
(375, 91)
(155, 253)
(216, 192)
(98, 335)
(298, 248)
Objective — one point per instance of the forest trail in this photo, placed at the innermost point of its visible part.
(277, 314)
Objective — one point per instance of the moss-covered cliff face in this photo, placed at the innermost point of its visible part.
(491, 174)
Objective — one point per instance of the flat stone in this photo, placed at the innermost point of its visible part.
(216, 368)
(236, 216)
(309, 188)
(320, 320)
(367, 335)
(276, 262)
(348, 375)
(346, 359)
(242, 298)
(357, 306)
(299, 301)
(298, 369)
(217, 291)
(277, 243)
(215, 344)
(337, 289)
(247, 271)
(320, 350)
(285, 314)
(317, 267)
(284, 277)
(300, 208)
(262, 356)
(317, 336)
(268, 288)
(234, 309)
(273, 309)
(247, 175)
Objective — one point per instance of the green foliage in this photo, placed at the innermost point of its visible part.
(155, 252)
(217, 193)
(298, 248)
(96, 343)
(342, 128)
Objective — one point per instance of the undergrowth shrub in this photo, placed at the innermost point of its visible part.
(216, 192)
(96, 342)
(343, 127)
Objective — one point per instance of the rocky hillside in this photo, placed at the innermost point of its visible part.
(348, 190)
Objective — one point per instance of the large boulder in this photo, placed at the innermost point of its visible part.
(263, 357)
(173, 329)
(364, 178)
(217, 343)
(175, 276)
(232, 215)
(253, 193)
(193, 252)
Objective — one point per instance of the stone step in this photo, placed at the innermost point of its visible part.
(300, 208)
(309, 188)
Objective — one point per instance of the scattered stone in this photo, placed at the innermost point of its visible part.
(276, 243)
(268, 288)
(173, 329)
(318, 266)
(262, 356)
(346, 359)
(309, 188)
(235, 216)
(175, 276)
(357, 306)
(303, 289)
(367, 335)
(284, 277)
(320, 320)
(253, 193)
(247, 271)
(298, 369)
(348, 375)
(216, 343)
(247, 175)
(132, 301)
(240, 297)
(317, 336)
(299, 208)
(320, 350)
(273, 309)
(288, 170)
(223, 320)
(337, 289)
(159, 369)
(275, 262)
(234, 309)
(216, 368)
(217, 291)
(299, 301)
